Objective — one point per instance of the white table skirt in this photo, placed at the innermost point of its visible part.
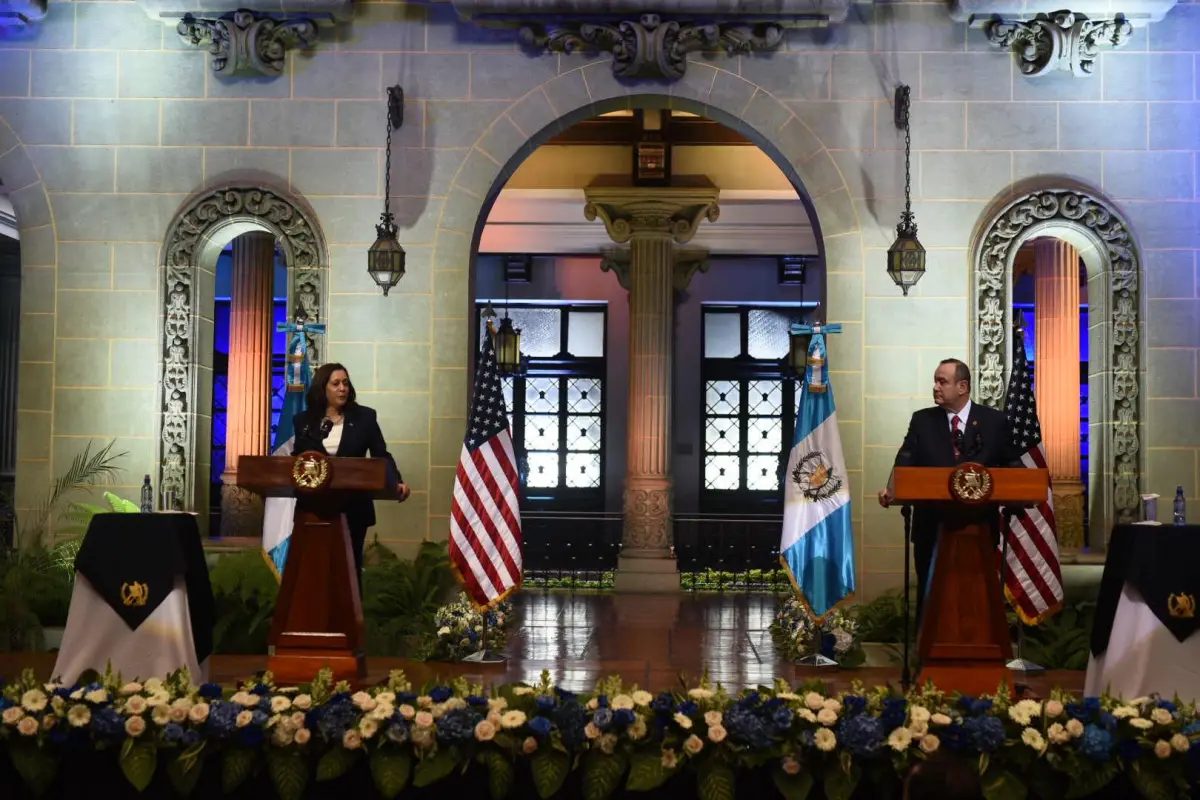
(95, 636)
(1143, 657)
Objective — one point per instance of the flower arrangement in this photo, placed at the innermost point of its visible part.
(460, 626)
(618, 737)
(797, 634)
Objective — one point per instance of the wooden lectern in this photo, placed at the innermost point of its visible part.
(318, 616)
(963, 643)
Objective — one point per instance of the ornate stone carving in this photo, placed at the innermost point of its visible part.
(674, 212)
(687, 264)
(1061, 41)
(1016, 224)
(246, 42)
(193, 228)
(651, 47)
(647, 524)
(241, 511)
(19, 14)
(1068, 514)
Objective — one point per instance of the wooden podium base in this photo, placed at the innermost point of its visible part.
(972, 679)
(291, 667)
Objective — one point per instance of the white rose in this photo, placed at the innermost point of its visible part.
(198, 713)
(825, 739)
(826, 717)
(1053, 709)
(1075, 728)
(12, 715)
(930, 743)
(940, 719)
(159, 698)
(280, 704)
(621, 701)
(1141, 723)
(832, 705)
(713, 718)
(683, 721)
(1058, 734)
(592, 704)
(135, 726)
(699, 694)
(900, 739)
(135, 705)
(485, 731)
(423, 719)
(154, 685)
(297, 719)
(693, 745)
(529, 746)
(351, 740)
(302, 702)
(1161, 716)
(1033, 738)
(814, 701)
(642, 699)
(1180, 743)
(717, 734)
(363, 701)
(591, 731)
(130, 688)
(302, 736)
(244, 718)
(407, 711)
(918, 714)
(28, 726)
(161, 715)
(1162, 748)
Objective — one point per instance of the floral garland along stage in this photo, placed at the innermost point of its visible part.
(618, 736)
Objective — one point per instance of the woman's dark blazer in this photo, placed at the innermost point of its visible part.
(361, 437)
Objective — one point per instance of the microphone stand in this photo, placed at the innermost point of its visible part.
(1018, 664)
(905, 673)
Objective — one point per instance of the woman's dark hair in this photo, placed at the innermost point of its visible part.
(943, 778)
(317, 402)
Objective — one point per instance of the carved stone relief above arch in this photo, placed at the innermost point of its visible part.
(1114, 268)
(194, 240)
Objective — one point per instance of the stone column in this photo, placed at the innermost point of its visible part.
(248, 400)
(10, 322)
(652, 221)
(1056, 382)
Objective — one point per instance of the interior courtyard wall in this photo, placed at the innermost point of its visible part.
(120, 123)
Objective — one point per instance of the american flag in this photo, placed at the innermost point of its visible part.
(485, 520)
(1033, 579)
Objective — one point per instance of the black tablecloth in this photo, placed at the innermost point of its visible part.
(133, 560)
(1160, 561)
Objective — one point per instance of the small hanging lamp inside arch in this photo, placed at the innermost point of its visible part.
(906, 256)
(508, 348)
(385, 259)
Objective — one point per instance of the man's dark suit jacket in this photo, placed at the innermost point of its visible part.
(361, 436)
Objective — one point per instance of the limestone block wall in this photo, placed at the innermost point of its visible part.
(108, 124)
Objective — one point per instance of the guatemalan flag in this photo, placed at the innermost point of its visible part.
(817, 548)
(278, 512)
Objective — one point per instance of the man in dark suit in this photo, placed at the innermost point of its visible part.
(953, 431)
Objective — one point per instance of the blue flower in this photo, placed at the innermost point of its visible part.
(251, 736)
(663, 706)
(211, 691)
(854, 704)
(1193, 729)
(259, 718)
(173, 732)
(956, 738)
(1095, 743)
(987, 733)
(687, 708)
(601, 701)
(623, 717)
(1168, 705)
(440, 694)
(749, 700)
(564, 696)
(1108, 721)
(406, 697)
(477, 701)
(107, 723)
(540, 726)
(458, 726)
(602, 718)
(862, 734)
(783, 718)
(545, 703)
(1129, 749)
(5, 703)
(190, 737)
(828, 645)
(572, 719)
(262, 690)
(334, 719)
(973, 705)
(746, 728)
(222, 719)
(895, 711)
(1077, 711)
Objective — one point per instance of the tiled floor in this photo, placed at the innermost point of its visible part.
(651, 640)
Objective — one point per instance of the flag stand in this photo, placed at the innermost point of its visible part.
(1018, 664)
(816, 659)
(484, 655)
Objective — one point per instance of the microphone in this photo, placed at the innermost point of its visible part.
(326, 427)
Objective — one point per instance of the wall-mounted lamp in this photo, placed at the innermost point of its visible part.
(906, 256)
(385, 259)
(793, 270)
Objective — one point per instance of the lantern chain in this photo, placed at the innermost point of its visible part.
(908, 225)
(386, 218)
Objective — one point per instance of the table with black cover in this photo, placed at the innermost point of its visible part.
(1146, 614)
(142, 601)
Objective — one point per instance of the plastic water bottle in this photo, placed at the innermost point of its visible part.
(1180, 507)
(147, 496)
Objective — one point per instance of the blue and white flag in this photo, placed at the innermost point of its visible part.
(817, 548)
(278, 512)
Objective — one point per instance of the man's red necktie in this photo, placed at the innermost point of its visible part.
(954, 435)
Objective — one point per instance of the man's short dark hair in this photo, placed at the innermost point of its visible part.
(943, 778)
(961, 371)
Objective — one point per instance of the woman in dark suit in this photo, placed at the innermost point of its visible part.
(336, 425)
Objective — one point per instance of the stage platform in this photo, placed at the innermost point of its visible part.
(650, 640)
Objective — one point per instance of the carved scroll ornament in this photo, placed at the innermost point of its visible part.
(1061, 41)
(245, 42)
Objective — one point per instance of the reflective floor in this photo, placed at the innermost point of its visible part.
(650, 640)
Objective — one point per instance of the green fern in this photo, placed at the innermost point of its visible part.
(87, 469)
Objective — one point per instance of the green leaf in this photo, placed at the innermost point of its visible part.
(335, 763)
(602, 774)
(289, 773)
(646, 772)
(715, 780)
(36, 768)
(1091, 780)
(390, 767)
(184, 771)
(840, 783)
(1151, 783)
(1001, 784)
(792, 787)
(138, 762)
(549, 771)
(500, 774)
(236, 765)
(431, 770)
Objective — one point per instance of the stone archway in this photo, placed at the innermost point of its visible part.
(33, 423)
(1106, 244)
(205, 224)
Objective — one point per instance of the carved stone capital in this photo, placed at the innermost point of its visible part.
(248, 43)
(20, 14)
(1060, 41)
(651, 46)
(687, 263)
(674, 212)
(647, 519)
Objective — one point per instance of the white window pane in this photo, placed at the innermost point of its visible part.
(543, 470)
(723, 397)
(585, 334)
(722, 334)
(768, 334)
(764, 435)
(583, 433)
(506, 386)
(721, 472)
(541, 432)
(583, 470)
(721, 435)
(583, 396)
(762, 473)
(541, 329)
(541, 395)
(764, 398)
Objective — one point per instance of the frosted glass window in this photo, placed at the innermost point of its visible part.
(541, 396)
(543, 470)
(722, 335)
(583, 396)
(723, 397)
(721, 472)
(585, 334)
(541, 431)
(768, 334)
(762, 473)
(583, 470)
(541, 329)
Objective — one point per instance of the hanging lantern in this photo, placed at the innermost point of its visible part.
(798, 351)
(906, 256)
(385, 259)
(508, 348)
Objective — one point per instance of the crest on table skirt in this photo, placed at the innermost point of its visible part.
(135, 594)
(310, 472)
(1181, 606)
(971, 483)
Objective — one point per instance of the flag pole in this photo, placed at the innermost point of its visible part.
(484, 655)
